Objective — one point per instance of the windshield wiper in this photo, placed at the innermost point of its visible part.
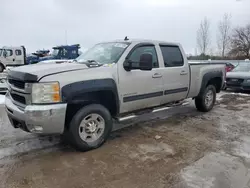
(89, 62)
(93, 61)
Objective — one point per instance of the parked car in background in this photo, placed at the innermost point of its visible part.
(12, 56)
(239, 77)
(3, 84)
(229, 67)
(16, 56)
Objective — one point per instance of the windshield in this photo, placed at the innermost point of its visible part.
(104, 53)
(242, 67)
(55, 52)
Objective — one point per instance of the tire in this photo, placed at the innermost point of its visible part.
(92, 115)
(1, 68)
(201, 101)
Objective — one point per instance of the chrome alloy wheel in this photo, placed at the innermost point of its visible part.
(91, 127)
(209, 97)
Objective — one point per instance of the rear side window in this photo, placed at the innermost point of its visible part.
(172, 56)
(18, 52)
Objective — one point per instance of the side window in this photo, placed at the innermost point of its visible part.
(136, 54)
(18, 52)
(64, 53)
(172, 56)
(8, 53)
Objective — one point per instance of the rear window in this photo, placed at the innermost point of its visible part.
(18, 52)
(172, 56)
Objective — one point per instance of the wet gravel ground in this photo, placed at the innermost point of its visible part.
(179, 148)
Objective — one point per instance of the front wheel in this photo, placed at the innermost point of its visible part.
(205, 101)
(89, 127)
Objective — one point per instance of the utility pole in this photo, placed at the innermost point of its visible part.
(66, 37)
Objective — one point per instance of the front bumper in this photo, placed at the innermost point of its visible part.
(45, 119)
(238, 86)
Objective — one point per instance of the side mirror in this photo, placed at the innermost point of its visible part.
(127, 65)
(146, 62)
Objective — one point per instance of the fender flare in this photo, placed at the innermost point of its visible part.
(1, 64)
(208, 76)
(71, 93)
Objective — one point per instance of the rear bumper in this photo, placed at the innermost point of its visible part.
(45, 119)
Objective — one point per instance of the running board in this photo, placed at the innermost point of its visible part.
(152, 110)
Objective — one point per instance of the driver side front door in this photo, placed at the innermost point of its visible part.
(140, 89)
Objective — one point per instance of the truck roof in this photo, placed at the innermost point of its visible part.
(67, 46)
(10, 47)
(146, 41)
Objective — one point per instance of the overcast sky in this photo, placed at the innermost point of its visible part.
(41, 24)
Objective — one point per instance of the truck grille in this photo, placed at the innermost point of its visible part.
(17, 83)
(235, 80)
(18, 98)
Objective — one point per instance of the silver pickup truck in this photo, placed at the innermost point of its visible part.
(113, 80)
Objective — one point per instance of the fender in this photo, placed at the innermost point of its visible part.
(208, 76)
(74, 92)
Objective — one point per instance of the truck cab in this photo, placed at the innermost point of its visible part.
(65, 52)
(12, 56)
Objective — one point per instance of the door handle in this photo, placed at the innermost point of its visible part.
(183, 73)
(157, 75)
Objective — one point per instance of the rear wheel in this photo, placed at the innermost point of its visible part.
(90, 127)
(205, 101)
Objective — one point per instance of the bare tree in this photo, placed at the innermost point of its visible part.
(240, 42)
(223, 37)
(203, 36)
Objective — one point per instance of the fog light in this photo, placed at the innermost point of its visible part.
(35, 128)
(38, 128)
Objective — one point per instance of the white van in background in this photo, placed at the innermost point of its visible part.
(12, 56)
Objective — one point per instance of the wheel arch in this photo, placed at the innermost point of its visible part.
(1, 64)
(214, 78)
(100, 91)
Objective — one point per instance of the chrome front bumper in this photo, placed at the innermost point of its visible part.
(45, 119)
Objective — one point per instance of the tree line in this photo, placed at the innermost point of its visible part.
(232, 43)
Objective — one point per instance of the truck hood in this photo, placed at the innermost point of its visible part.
(242, 75)
(33, 73)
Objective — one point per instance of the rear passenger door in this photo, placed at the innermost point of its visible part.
(175, 73)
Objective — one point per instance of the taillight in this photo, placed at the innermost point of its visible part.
(225, 72)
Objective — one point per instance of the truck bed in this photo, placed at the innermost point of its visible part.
(197, 72)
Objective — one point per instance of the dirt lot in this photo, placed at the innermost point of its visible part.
(176, 148)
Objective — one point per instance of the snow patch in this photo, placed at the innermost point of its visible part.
(243, 147)
(2, 99)
(241, 94)
(216, 170)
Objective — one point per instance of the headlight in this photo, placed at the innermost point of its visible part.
(46, 92)
(248, 80)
